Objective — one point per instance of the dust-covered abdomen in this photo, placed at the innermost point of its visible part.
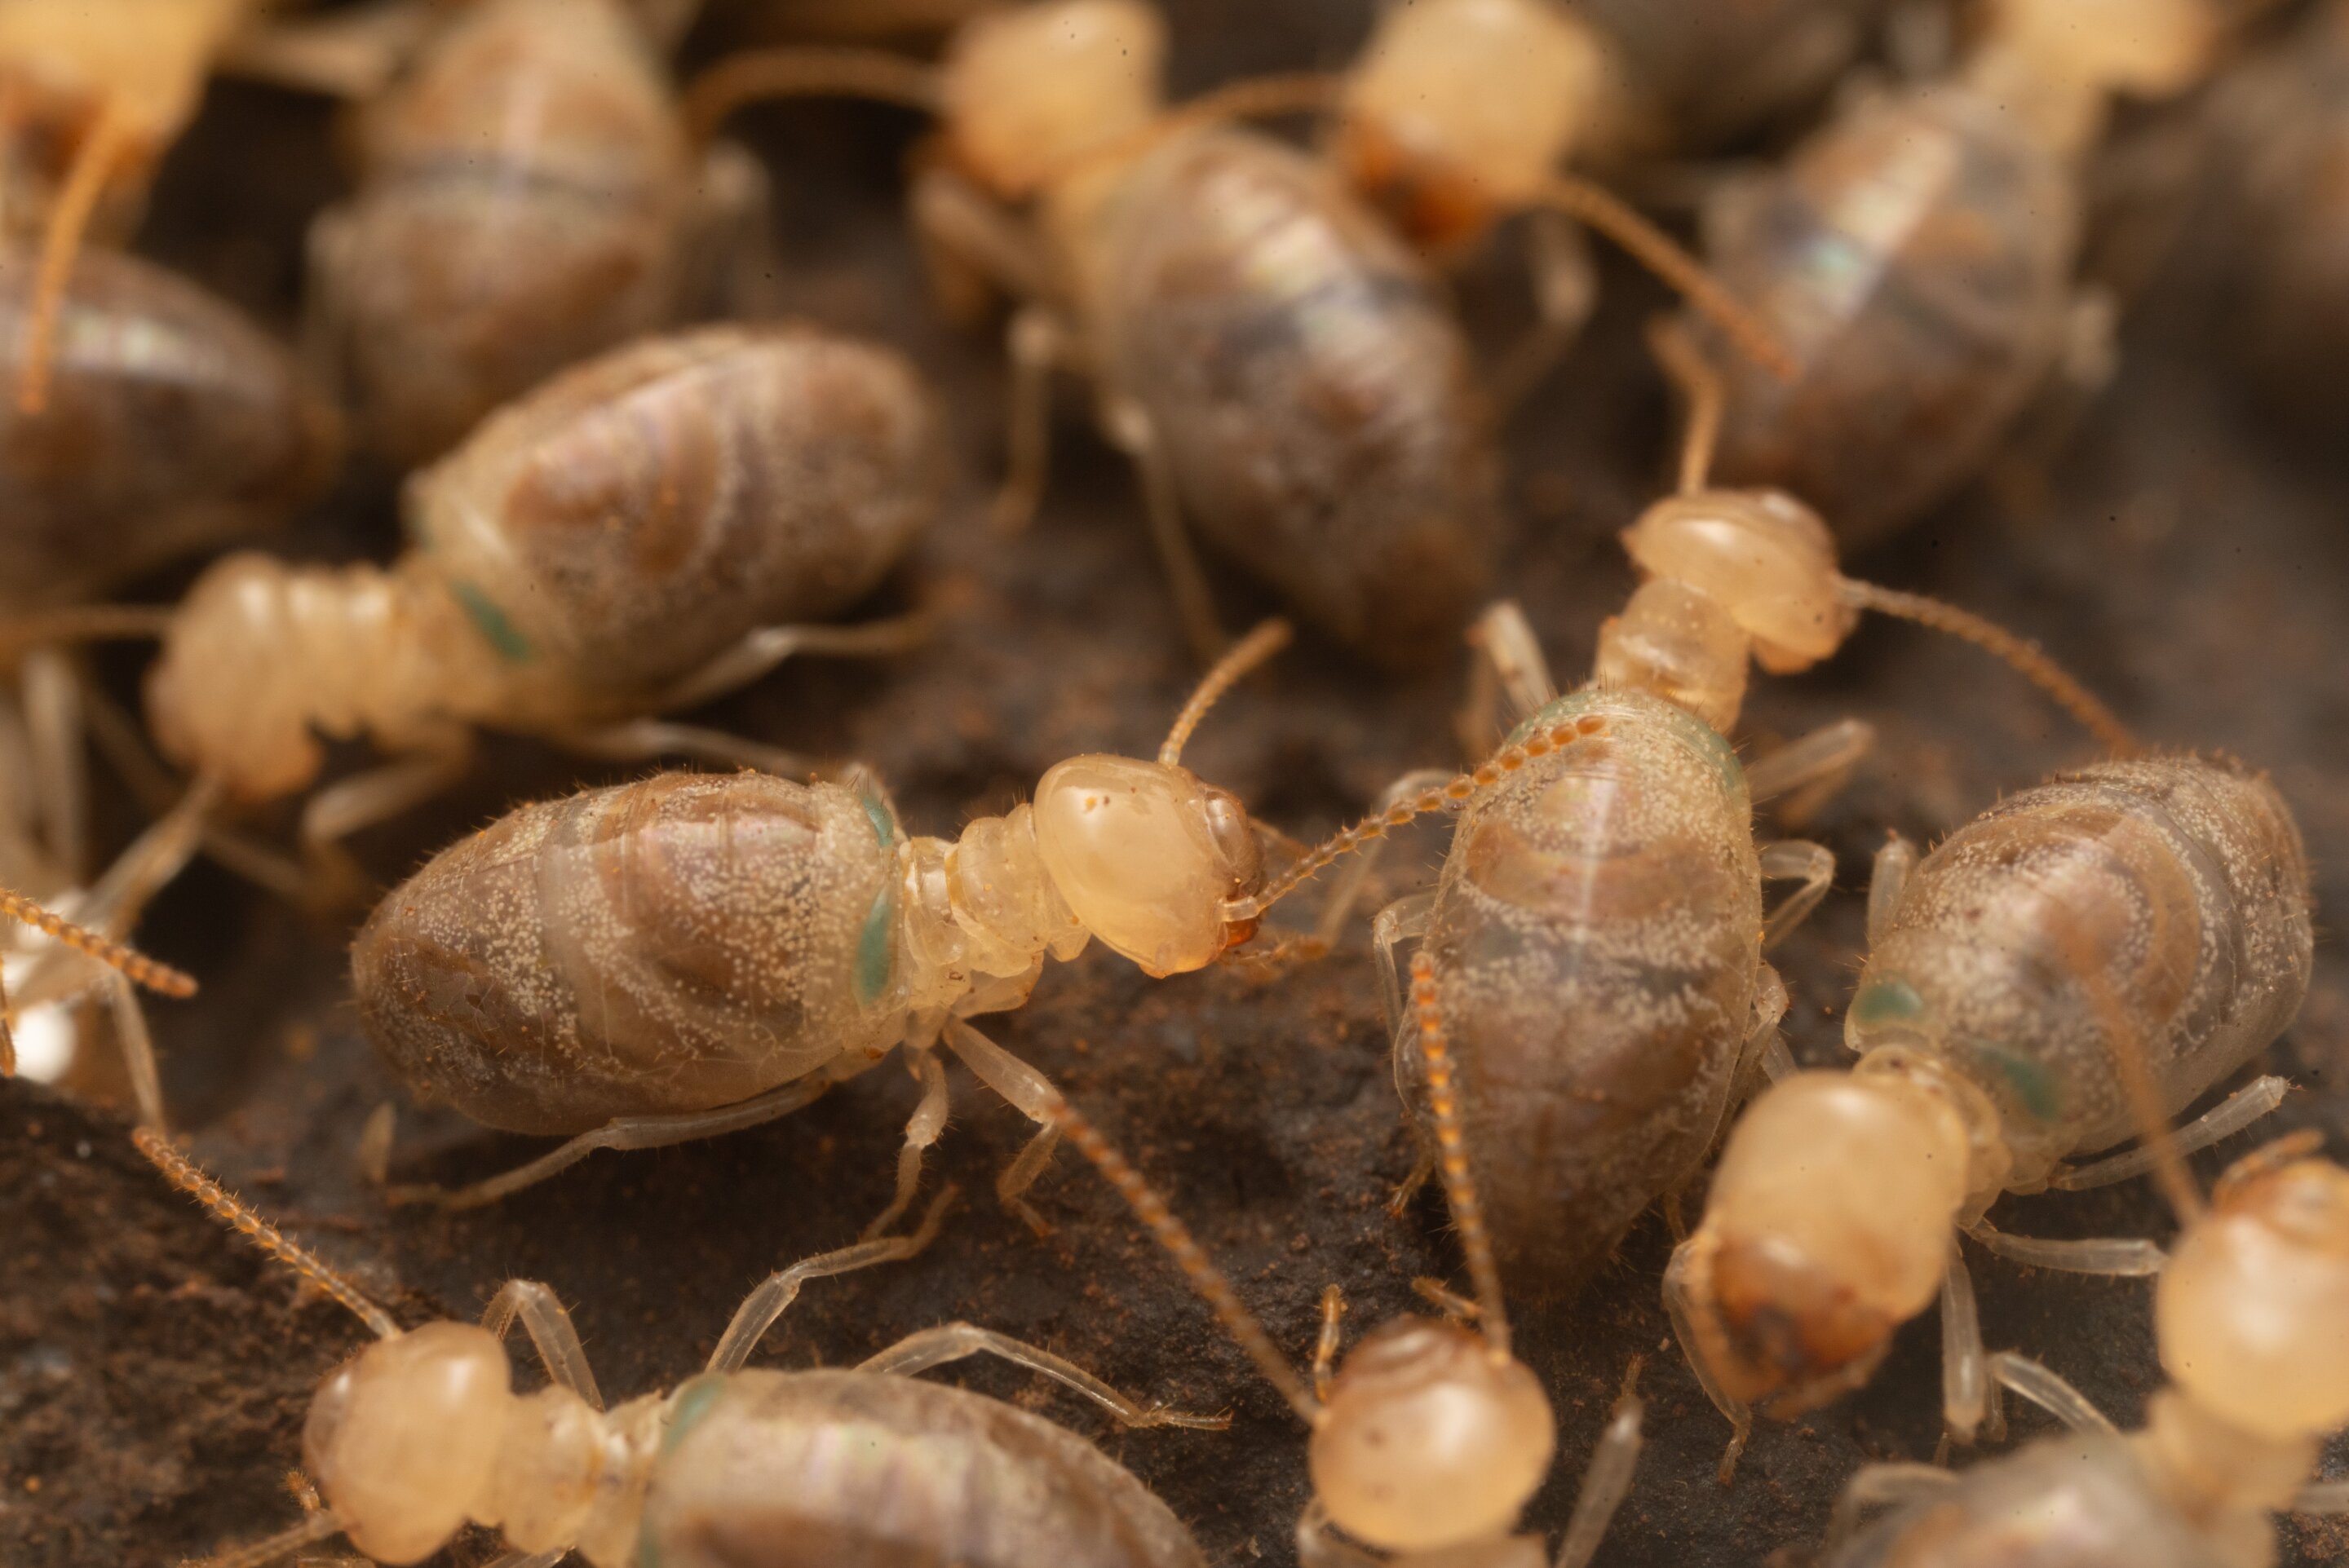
(1309, 384)
(851, 1469)
(672, 945)
(2064, 1502)
(1597, 939)
(640, 513)
(2173, 889)
(173, 425)
(1915, 256)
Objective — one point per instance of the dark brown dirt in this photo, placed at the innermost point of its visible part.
(2181, 556)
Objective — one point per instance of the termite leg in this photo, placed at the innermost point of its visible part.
(1565, 279)
(1131, 431)
(953, 1341)
(1794, 860)
(552, 1333)
(1031, 1094)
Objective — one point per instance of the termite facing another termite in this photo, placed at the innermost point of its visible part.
(691, 954)
(1431, 1439)
(624, 541)
(528, 197)
(2167, 896)
(1285, 375)
(1916, 256)
(421, 1433)
(2252, 1319)
(1599, 928)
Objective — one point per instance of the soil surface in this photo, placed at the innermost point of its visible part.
(2182, 553)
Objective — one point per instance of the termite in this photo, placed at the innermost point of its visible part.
(691, 954)
(422, 1433)
(1599, 928)
(91, 97)
(1431, 1438)
(637, 535)
(1285, 375)
(527, 198)
(1917, 256)
(2251, 1317)
(2168, 895)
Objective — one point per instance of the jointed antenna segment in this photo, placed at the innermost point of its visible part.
(1239, 659)
(1451, 795)
(1452, 1157)
(238, 1216)
(156, 976)
(1177, 1238)
(2023, 655)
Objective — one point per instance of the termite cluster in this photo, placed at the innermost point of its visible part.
(441, 592)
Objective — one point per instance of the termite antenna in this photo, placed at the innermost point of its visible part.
(1238, 659)
(807, 72)
(95, 161)
(84, 623)
(240, 1216)
(1449, 796)
(157, 978)
(1662, 255)
(2023, 655)
(313, 1529)
(1451, 1156)
(1698, 385)
(1177, 1238)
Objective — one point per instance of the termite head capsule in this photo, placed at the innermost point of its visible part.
(2253, 1309)
(1430, 1438)
(1764, 557)
(1027, 93)
(1461, 108)
(1145, 854)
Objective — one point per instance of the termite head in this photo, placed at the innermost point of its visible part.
(2252, 1312)
(1030, 92)
(1430, 1438)
(401, 1438)
(1762, 556)
(1828, 1225)
(1145, 854)
(1459, 110)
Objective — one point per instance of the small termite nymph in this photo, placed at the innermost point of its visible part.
(1431, 1438)
(1599, 929)
(421, 1434)
(1916, 256)
(691, 954)
(640, 534)
(2252, 1319)
(2165, 899)
(527, 198)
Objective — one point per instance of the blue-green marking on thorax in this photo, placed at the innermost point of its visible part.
(2033, 1083)
(876, 944)
(1699, 735)
(1887, 999)
(492, 624)
(688, 1405)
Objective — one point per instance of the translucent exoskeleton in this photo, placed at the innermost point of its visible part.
(1916, 257)
(422, 1433)
(691, 954)
(2283, 157)
(2167, 896)
(1431, 1438)
(92, 94)
(640, 533)
(1598, 927)
(1285, 374)
(2252, 1319)
(527, 197)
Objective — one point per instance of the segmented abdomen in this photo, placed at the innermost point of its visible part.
(173, 425)
(2172, 888)
(1916, 257)
(1310, 386)
(851, 1469)
(679, 942)
(1596, 936)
